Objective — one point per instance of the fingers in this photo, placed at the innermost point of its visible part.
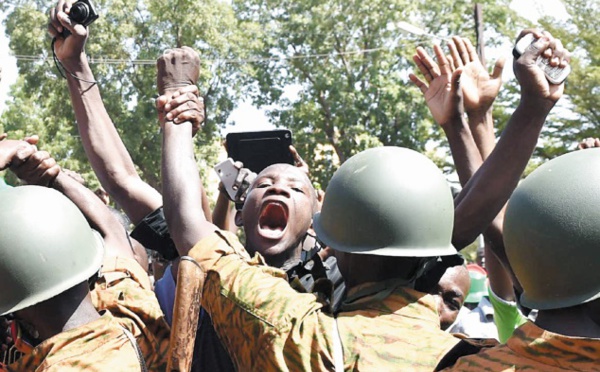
(443, 65)
(429, 68)
(470, 49)
(456, 58)
(418, 82)
(181, 104)
(424, 70)
(299, 162)
(23, 153)
(536, 33)
(451, 62)
(39, 169)
(498, 68)
(54, 26)
(589, 143)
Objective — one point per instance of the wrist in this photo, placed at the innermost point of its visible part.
(536, 105)
(480, 115)
(454, 124)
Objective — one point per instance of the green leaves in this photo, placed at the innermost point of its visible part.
(352, 61)
(126, 31)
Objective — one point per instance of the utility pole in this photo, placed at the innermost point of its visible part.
(478, 13)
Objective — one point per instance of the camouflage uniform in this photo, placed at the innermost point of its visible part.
(124, 295)
(266, 325)
(534, 349)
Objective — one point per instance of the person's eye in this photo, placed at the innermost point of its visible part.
(297, 189)
(262, 185)
(454, 305)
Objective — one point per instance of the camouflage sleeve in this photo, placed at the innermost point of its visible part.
(124, 289)
(262, 321)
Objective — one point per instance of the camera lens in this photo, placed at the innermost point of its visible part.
(79, 12)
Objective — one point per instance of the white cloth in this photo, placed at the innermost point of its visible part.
(477, 323)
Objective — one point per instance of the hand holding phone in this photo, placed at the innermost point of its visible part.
(235, 178)
(554, 74)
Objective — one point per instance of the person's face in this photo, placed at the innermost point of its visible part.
(450, 294)
(278, 211)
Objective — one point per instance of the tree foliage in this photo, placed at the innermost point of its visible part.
(126, 31)
(580, 117)
(354, 91)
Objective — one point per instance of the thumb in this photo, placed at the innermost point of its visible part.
(455, 80)
(498, 68)
(74, 28)
(32, 140)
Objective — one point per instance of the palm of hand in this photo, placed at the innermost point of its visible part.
(478, 87)
(438, 98)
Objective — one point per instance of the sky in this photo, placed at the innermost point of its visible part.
(246, 116)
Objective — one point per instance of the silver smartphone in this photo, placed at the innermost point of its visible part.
(554, 74)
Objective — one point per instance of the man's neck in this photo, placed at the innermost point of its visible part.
(572, 322)
(56, 316)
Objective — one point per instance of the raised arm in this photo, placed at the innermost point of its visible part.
(182, 189)
(105, 149)
(443, 96)
(491, 186)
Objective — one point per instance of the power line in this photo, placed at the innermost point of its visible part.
(148, 62)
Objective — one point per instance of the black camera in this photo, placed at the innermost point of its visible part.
(82, 12)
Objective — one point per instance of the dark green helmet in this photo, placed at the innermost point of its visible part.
(552, 232)
(388, 201)
(46, 246)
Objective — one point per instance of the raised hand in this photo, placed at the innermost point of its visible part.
(441, 91)
(534, 84)
(479, 88)
(70, 49)
(177, 68)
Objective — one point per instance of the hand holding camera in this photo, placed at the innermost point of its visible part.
(70, 18)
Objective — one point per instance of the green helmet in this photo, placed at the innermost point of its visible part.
(388, 201)
(478, 288)
(552, 232)
(46, 247)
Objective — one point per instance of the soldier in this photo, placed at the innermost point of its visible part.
(48, 252)
(551, 238)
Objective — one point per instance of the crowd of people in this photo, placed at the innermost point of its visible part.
(367, 276)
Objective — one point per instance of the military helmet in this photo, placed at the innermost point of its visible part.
(388, 201)
(552, 232)
(478, 288)
(46, 246)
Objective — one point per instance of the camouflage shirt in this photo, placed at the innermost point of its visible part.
(534, 349)
(266, 325)
(122, 293)
(124, 289)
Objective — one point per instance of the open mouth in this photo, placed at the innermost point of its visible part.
(273, 220)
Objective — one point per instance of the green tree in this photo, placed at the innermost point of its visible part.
(354, 90)
(126, 31)
(580, 117)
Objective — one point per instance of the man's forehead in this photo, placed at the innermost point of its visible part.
(287, 171)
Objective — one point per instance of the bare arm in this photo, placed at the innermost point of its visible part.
(491, 186)
(41, 169)
(105, 149)
(182, 189)
(221, 216)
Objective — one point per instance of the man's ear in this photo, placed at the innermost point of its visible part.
(239, 222)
